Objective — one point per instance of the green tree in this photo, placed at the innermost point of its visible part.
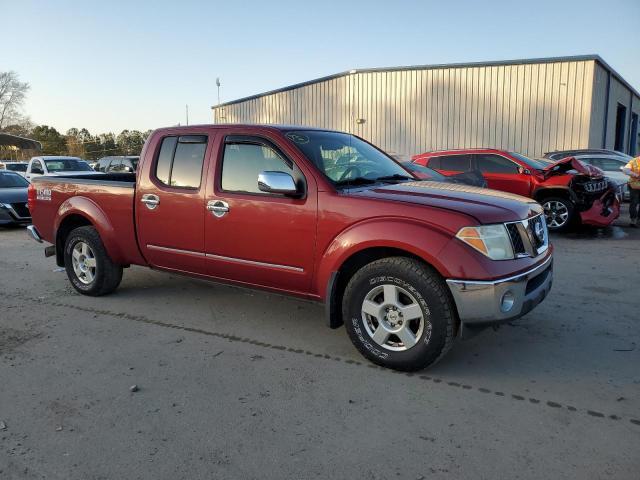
(52, 142)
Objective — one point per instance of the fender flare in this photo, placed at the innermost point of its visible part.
(87, 208)
(418, 238)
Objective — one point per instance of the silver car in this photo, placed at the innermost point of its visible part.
(611, 165)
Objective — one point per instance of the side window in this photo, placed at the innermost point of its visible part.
(434, 163)
(114, 166)
(35, 165)
(180, 161)
(608, 164)
(460, 163)
(488, 163)
(242, 163)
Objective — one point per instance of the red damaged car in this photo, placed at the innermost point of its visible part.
(569, 191)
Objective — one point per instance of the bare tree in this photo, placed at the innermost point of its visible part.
(12, 95)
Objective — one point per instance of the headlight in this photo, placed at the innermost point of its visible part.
(490, 240)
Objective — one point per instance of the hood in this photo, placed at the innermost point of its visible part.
(13, 195)
(79, 172)
(487, 206)
(566, 164)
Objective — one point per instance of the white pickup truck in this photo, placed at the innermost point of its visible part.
(53, 165)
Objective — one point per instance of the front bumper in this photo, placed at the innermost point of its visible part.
(8, 216)
(487, 302)
(603, 212)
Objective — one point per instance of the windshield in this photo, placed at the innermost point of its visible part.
(12, 180)
(67, 165)
(537, 164)
(17, 167)
(347, 160)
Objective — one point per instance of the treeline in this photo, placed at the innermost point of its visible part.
(79, 142)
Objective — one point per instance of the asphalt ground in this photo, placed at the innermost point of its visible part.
(233, 383)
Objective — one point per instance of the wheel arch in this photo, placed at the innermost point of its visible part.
(554, 191)
(78, 212)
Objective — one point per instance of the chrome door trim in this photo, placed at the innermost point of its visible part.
(228, 259)
(175, 250)
(254, 262)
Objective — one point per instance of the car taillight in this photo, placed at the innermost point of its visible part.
(31, 197)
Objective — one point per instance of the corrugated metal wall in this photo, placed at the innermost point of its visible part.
(531, 108)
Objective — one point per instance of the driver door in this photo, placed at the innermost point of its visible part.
(255, 237)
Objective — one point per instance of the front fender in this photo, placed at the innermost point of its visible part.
(418, 238)
(90, 210)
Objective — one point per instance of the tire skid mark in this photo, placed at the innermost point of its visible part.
(235, 338)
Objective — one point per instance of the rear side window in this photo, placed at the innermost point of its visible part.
(461, 163)
(488, 163)
(180, 161)
(242, 163)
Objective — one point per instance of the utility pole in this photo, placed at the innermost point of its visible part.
(187, 112)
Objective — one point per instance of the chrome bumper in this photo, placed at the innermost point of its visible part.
(33, 233)
(486, 302)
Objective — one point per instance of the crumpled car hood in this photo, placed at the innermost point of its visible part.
(566, 164)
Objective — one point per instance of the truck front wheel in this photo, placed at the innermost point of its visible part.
(398, 314)
(88, 266)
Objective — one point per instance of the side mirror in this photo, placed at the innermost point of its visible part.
(524, 171)
(277, 182)
(37, 171)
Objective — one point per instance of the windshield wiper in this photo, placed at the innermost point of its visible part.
(355, 181)
(394, 177)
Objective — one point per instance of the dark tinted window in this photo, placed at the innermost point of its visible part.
(17, 167)
(67, 165)
(180, 161)
(434, 163)
(460, 163)
(488, 163)
(242, 163)
(12, 180)
(163, 167)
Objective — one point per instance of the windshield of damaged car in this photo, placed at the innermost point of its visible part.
(12, 180)
(67, 165)
(537, 164)
(347, 160)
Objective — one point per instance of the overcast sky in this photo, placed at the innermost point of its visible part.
(110, 65)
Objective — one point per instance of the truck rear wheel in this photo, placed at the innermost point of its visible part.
(398, 314)
(88, 266)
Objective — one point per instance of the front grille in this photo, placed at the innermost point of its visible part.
(516, 239)
(529, 238)
(21, 210)
(596, 186)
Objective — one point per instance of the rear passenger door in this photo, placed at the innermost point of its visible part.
(503, 173)
(451, 164)
(169, 206)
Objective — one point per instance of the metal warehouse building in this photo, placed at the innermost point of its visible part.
(530, 106)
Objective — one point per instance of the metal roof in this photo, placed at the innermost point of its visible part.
(574, 58)
(20, 142)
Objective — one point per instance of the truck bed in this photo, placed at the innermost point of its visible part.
(63, 200)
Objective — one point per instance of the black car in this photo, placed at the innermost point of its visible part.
(473, 177)
(13, 199)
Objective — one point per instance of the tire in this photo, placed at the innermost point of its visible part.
(85, 244)
(560, 206)
(419, 291)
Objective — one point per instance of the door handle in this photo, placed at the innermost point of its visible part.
(150, 200)
(218, 207)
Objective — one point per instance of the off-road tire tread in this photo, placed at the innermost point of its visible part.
(432, 280)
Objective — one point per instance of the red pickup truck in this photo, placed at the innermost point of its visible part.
(568, 190)
(324, 215)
